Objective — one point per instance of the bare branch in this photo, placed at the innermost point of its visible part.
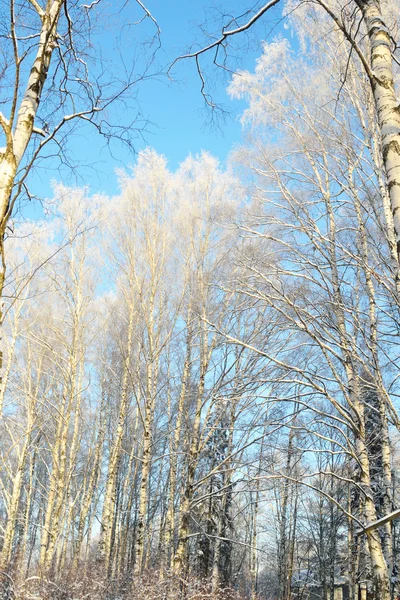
(38, 8)
(229, 33)
(386, 519)
(350, 39)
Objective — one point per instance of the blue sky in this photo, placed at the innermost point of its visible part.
(180, 122)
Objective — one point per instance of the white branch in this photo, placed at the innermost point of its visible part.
(89, 6)
(38, 8)
(4, 122)
(230, 32)
(371, 526)
(39, 131)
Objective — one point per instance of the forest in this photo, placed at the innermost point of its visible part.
(200, 373)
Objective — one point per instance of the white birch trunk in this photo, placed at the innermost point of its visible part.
(184, 514)
(386, 102)
(111, 482)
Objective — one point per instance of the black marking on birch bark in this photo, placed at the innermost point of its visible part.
(377, 54)
(392, 184)
(380, 24)
(392, 146)
(385, 82)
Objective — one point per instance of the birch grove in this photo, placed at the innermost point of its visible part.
(200, 373)
(51, 83)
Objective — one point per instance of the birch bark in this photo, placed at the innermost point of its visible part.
(184, 514)
(386, 103)
(112, 472)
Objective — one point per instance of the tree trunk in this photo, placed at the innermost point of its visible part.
(387, 105)
(112, 473)
(184, 517)
(174, 446)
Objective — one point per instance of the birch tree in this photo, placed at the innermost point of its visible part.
(49, 86)
(368, 19)
(297, 181)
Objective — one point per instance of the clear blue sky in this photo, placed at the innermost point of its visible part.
(176, 109)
